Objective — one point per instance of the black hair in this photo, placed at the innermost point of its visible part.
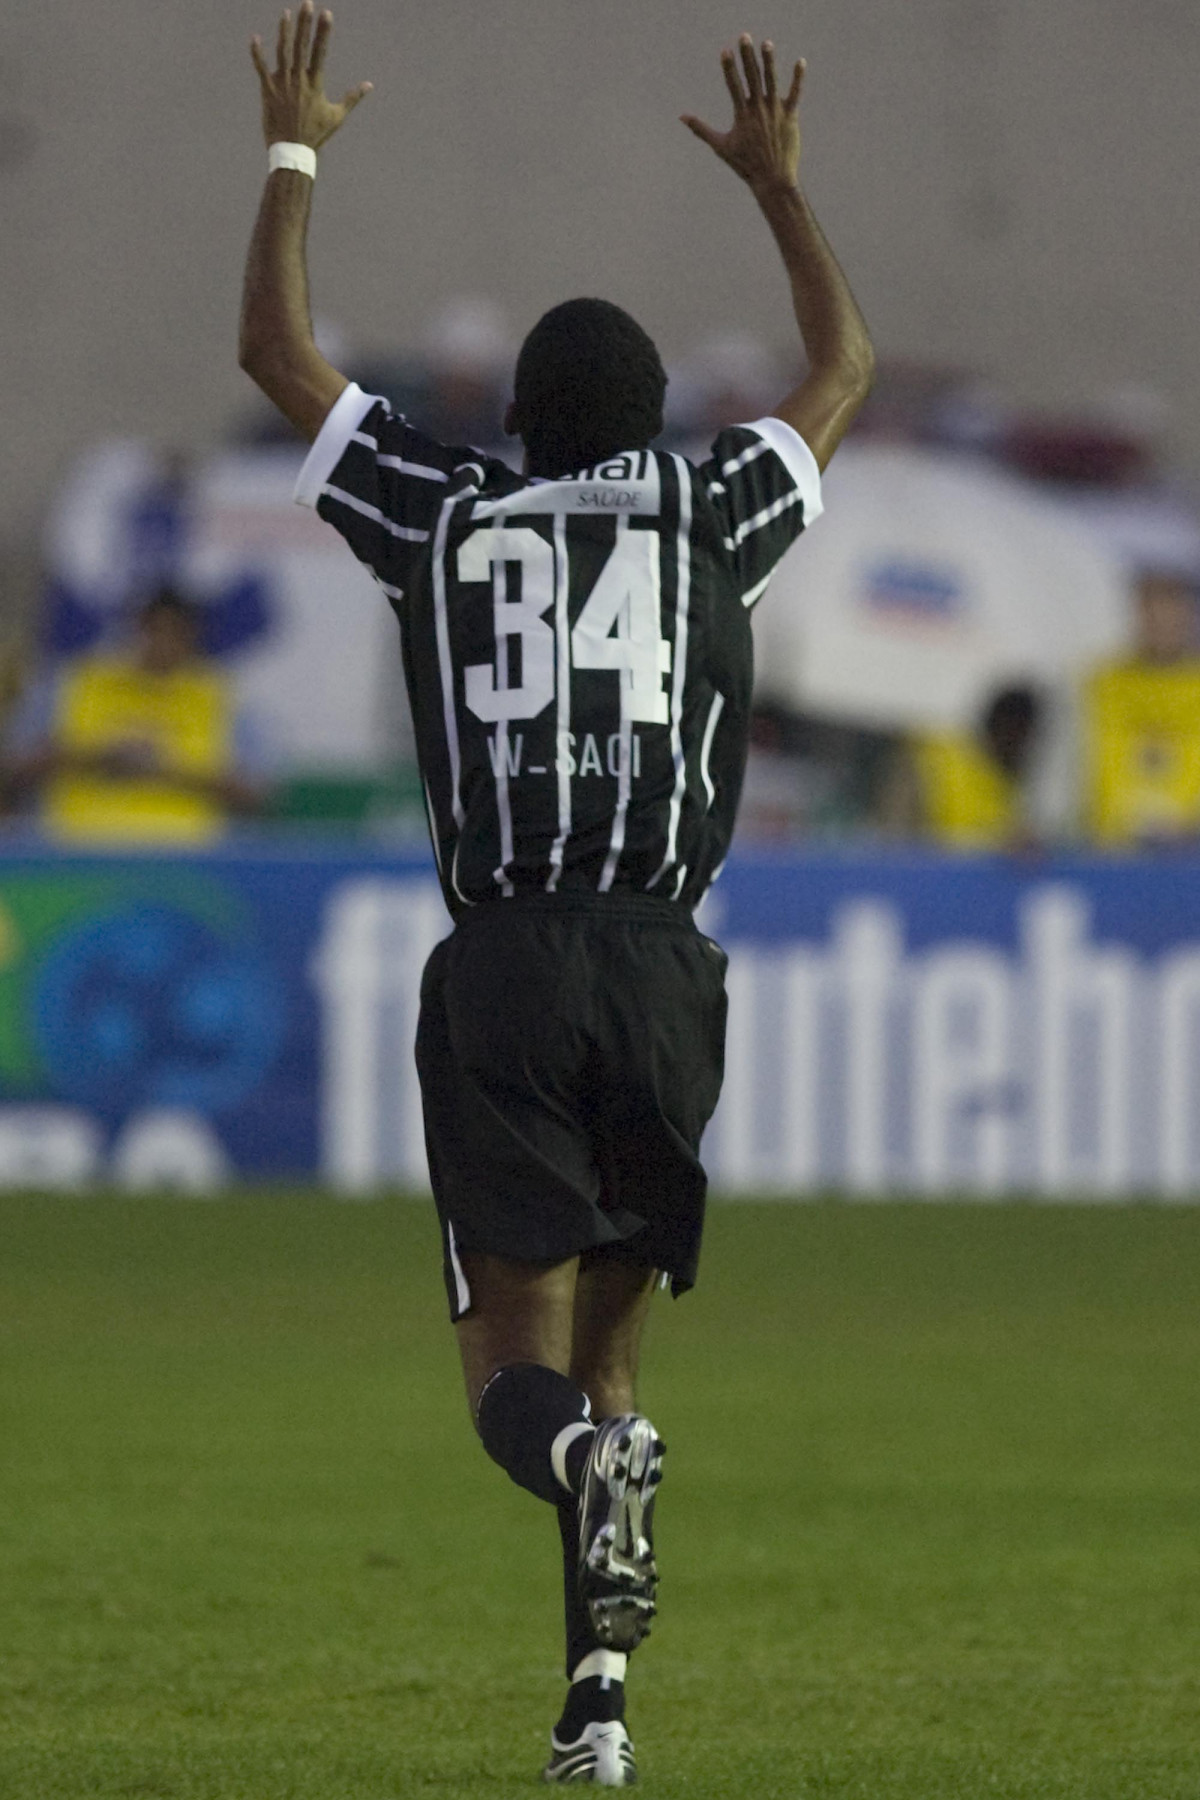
(1010, 725)
(169, 600)
(1018, 705)
(589, 383)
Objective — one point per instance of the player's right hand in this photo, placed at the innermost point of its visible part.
(763, 145)
(295, 107)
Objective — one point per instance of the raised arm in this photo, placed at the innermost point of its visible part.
(763, 147)
(276, 346)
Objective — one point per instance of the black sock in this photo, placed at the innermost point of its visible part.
(596, 1701)
(522, 1411)
(581, 1639)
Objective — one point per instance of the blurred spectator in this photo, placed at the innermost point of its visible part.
(11, 672)
(457, 383)
(810, 777)
(132, 521)
(264, 425)
(469, 359)
(1141, 725)
(729, 380)
(146, 745)
(126, 538)
(1077, 453)
(928, 403)
(11, 664)
(775, 803)
(969, 790)
(1106, 467)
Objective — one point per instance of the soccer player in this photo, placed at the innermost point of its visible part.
(577, 646)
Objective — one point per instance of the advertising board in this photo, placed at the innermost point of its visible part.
(898, 1024)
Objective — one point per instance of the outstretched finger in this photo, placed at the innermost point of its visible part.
(303, 31)
(733, 81)
(706, 134)
(750, 65)
(768, 56)
(283, 43)
(259, 61)
(793, 99)
(353, 95)
(316, 61)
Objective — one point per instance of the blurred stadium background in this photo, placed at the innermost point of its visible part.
(961, 908)
(962, 912)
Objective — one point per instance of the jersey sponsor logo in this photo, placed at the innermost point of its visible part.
(620, 485)
(632, 467)
(628, 486)
(609, 499)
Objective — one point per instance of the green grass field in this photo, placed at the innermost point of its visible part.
(930, 1525)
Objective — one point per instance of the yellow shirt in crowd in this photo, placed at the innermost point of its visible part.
(969, 801)
(185, 717)
(1141, 725)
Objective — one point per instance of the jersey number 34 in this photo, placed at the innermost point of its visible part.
(618, 629)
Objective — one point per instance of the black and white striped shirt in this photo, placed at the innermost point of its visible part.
(578, 652)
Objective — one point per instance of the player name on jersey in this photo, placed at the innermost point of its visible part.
(619, 756)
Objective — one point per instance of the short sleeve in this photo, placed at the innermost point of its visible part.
(378, 482)
(763, 482)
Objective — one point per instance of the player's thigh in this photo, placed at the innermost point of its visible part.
(679, 1027)
(665, 1060)
(510, 1162)
(612, 1298)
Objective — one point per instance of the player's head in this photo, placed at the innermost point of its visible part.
(589, 384)
(1010, 726)
(168, 631)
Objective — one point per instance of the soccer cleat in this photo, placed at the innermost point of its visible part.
(603, 1755)
(617, 1573)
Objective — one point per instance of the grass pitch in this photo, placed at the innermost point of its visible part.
(929, 1527)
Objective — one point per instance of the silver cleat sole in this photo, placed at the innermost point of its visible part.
(618, 1577)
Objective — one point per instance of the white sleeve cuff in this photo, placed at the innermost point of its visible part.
(797, 458)
(341, 422)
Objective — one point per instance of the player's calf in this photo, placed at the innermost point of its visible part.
(536, 1424)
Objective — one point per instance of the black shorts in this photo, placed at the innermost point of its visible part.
(571, 1050)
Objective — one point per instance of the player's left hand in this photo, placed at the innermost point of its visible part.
(295, 107)
(763, 144)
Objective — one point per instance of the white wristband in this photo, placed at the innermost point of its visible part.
(293, 156)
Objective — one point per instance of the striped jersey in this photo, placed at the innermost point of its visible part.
(577, 652)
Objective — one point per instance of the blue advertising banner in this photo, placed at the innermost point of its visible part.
(898, 1023)
(923, 1024)
(196, 1018)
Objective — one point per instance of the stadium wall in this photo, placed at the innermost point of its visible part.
(898, 1025)
(1010, 184)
